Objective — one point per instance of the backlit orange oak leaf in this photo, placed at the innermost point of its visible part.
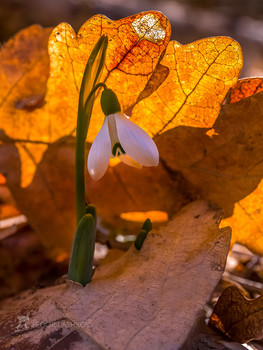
(247, 221)
(195, 79)
(135, 46)
(24, 69)
(222, 165)
(245, 87)
(200, 75)
(225, 168)
(137, 85)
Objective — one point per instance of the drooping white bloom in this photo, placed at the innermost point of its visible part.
(120, 137)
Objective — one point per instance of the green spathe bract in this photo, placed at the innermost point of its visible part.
(146, 227)
(109, 102)
(82, 252)
(140, 239)
(91, 209)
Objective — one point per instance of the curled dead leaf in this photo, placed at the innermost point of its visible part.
(236, 316)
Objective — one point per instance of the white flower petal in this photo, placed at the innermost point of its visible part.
(100, 153)
(136, 142)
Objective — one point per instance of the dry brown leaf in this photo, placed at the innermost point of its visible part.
(238, 317)
(148, 299)
(204, 338)
(24, 261)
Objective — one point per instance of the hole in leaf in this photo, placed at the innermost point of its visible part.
(149, 27)
(141, 216)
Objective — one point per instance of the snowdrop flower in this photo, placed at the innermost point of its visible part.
(119, 137)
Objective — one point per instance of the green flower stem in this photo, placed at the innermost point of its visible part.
(80, 155)
(82, 252)
(90, 79)
(80, 180)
